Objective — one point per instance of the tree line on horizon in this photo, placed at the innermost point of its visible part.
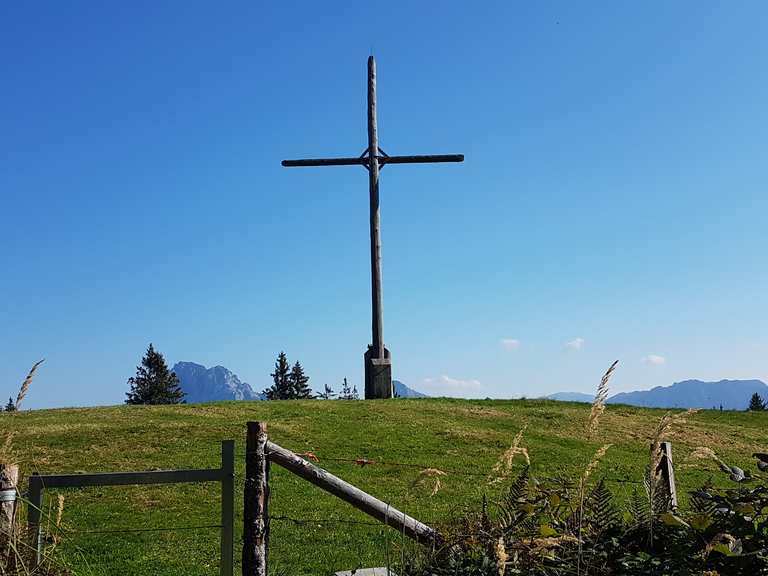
(155, 383)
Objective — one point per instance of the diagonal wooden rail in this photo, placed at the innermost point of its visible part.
(260, 452)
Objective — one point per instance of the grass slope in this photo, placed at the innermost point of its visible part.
(463, 438)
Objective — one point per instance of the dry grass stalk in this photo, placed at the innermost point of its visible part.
(59, 515)
(430, 473)
(553, 541)
(704, 453)
(501, 556)
(592, 466)
(503, 466)
(663, 430)
(598, 404)
(25, 385)
(7, 456)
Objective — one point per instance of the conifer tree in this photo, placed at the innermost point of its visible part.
(300, 389)
(154, 383)
(10, 407)
(355, 395)
(328, 393)
(346, 391)
(281, 380)
(756, 403)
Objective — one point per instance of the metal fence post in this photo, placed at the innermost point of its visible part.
(34, 512)
(227, 507)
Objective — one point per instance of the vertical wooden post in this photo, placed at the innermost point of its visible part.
(668, 473)
(377, 320)
(9, 477)
(226, 567)
(34, 511)
(256, 501)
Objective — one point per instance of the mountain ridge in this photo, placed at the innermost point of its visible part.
(728, 394)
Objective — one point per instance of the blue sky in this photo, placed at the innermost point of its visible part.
(612, 203)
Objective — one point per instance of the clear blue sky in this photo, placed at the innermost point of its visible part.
(613, 195)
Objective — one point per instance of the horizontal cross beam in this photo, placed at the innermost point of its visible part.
(383, 160)
(128, 478)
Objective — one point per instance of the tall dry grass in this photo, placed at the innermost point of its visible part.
(503, 467)
(593, 424)
(15, 549)
(598, 404)
(26, 384)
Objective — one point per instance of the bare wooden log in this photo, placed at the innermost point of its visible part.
(9, 478)
(363, 501)
(256, 502)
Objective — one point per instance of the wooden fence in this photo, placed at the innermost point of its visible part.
(666, 472)
(260, 452)
(225, 475)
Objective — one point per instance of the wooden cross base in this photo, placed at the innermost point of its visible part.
(378, 375)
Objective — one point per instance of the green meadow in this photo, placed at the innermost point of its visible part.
(312, 532)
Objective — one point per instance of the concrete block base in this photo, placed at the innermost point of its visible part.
(378, 375)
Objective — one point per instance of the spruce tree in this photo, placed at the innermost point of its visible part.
(154, 383)
(10, 407)
(281, 381)
(328, 393)
(756, 403)
(346, 391)
(300, 390)
(355, 395)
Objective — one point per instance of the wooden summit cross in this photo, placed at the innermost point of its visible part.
(378, 363)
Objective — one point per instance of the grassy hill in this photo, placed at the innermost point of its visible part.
(462, 438)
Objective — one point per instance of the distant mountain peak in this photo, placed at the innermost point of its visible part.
(201, 384)
(572, 397)
(402, 391)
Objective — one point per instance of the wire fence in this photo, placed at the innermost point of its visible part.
(374, 467)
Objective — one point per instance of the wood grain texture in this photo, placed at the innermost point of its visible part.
(256, 502)
(9, 478)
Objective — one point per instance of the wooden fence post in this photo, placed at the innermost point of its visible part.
(256, 501)
(227, 507)
(9, 477)
(668, 473)
(34, 512)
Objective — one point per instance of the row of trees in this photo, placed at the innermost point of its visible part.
(346, 393)
(291, 383)
(154, 383)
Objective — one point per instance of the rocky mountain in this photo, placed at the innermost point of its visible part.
(730, 394)
(201, 384)
(402, 391)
